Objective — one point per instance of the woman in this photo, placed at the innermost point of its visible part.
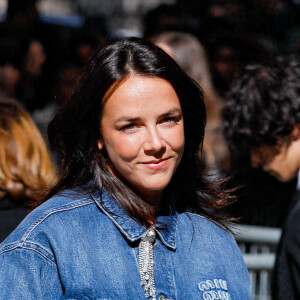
(131, 216)
(25, 165)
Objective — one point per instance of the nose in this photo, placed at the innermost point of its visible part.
(255, 158)
(154, 143)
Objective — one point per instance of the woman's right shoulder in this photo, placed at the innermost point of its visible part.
(44, 219)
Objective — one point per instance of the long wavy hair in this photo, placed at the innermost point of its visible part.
(25, 164)
(75, 131)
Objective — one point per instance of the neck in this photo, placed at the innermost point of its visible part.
(152, 198)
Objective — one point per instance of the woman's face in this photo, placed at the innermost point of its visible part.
(142, 132)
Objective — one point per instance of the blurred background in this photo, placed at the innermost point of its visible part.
(44, 45)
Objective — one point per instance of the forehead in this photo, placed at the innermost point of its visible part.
(140, 93)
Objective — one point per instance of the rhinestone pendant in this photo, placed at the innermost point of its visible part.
(146, 262)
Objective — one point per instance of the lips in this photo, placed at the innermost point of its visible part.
(156, 164)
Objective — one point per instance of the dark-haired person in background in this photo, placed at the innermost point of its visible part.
(262, 116)
(132, 216)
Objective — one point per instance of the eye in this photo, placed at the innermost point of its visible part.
(128, 127)
(171, 120)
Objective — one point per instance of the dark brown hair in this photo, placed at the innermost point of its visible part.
(75, 131)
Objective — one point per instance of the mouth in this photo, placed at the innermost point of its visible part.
(156, 164)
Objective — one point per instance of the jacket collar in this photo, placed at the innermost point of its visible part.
(130, 228)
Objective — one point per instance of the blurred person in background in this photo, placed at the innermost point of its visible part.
(11, 52)
(23, 21)
(33, 88)
(191, 57)
(229, 52)
(229, 43)
(91, 35)
(262, 117)
(66, 83)
(169, 17)
(272, 21)
(25, 165)
(262, 199)
(40, 56)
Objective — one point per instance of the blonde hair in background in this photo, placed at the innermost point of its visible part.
(189, 54)
(25, 164)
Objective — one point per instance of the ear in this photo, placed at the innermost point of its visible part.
(100, 144)
(295, 134)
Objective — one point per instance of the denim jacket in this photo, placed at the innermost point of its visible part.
(78, 246)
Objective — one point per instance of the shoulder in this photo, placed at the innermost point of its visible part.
(206, 224)
(206, 231)
(292, 226)
(295, 210)
(212, 240)
(43, 221)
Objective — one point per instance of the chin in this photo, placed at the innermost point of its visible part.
(287, 179)
(161, 185)
(286, 176)
(282, 178)
(153, 188)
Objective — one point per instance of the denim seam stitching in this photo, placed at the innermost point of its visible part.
(47, 214)
(175, 234)
(35, 250)
(28, 248)
(8, 249)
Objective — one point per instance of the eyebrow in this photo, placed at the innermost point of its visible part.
(128, 119)
(171, 112)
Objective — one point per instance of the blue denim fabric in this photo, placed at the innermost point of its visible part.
(76, 247)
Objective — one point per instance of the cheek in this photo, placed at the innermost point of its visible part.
(277, 161)
(122, 147)
(176, 139)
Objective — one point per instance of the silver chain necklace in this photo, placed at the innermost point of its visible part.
(146, 262)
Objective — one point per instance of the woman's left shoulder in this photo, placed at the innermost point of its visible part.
(201, 223)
